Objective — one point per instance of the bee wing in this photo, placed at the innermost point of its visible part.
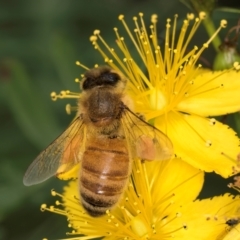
(60, 156)
(144, 140)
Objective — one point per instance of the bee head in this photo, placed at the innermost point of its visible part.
(102, 77)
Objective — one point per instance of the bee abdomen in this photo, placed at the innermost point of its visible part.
(98, 195)
(104, 175)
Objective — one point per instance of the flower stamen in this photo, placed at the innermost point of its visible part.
(70, 109)
(81, 65)
(64, 94)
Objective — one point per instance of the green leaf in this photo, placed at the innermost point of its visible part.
(229, 10)
(31, 112)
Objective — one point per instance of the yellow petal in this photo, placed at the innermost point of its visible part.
(212, 94)
(234, 233)
(166, 179)
(156, 190)
(199, 220)
(162, 187)
(204, 143)
(71, 174)
(206, 219)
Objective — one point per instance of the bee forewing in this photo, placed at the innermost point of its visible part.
(60, 156)
(149, 148)
(42, 168)
(146, 141)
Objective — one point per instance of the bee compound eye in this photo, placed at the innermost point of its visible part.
(88, 83)
(105, 79)
(111, 77)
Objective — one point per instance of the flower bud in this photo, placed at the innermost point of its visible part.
(228, 51)
(225, 58)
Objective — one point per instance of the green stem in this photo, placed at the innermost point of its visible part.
(210, 28)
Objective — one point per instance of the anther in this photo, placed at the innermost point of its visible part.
(208, 143)
(212, 121)
(190, 16)
(96, 32)
(236, 65)
(93, 39)
(53, 96)
(43, 207)
(154, 18)
(185, 226)
(202, 15)
(178, 214)
(223, 23)
(53, 192)
(121, 17)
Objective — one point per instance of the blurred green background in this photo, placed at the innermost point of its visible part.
(39, 44)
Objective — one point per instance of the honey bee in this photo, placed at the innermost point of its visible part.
(104, 138)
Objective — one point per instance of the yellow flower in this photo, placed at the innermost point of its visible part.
(157, 204)
(175, 93)
(177, 96)
(233, 233)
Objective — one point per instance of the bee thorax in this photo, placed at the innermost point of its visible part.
(102, 107)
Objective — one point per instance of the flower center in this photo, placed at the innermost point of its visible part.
(157, 100)
(139, 227)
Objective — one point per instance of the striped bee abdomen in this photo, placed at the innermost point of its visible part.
(104, 174)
